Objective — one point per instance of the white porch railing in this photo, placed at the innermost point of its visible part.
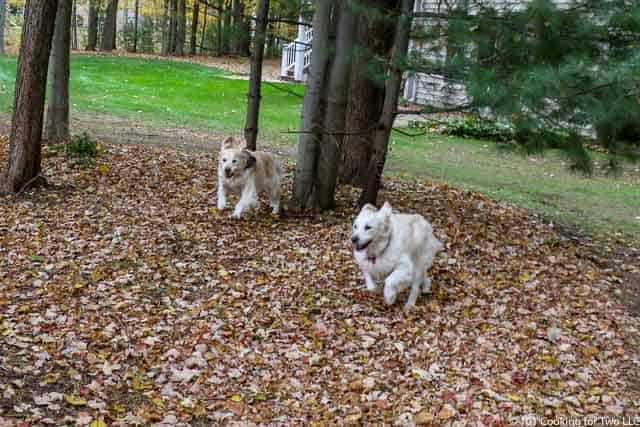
(296, 56)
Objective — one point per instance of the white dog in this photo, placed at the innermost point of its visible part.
(396, 249)
(248, 173)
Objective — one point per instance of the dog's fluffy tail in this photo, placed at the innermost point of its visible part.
(432, 248)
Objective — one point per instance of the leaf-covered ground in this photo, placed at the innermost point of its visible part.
(125, 298)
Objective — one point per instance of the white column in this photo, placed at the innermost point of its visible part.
(298, 70)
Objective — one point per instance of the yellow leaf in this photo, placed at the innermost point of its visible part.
(96, 276)
(236, 398)
(24, 308)
(103, 170)
(138, 383)
(590, 352)
(119, 407)
(51, 378)
(98, 423)
(158, 402)
(74, 400)
(514, 397)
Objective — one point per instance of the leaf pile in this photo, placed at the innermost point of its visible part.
(126, 298)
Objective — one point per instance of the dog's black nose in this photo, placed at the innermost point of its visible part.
(354, 239)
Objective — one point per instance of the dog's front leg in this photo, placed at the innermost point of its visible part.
(247, 199)
(222, 197)
(372, 286)
(396, 282)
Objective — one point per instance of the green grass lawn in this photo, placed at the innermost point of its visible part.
(161, 93)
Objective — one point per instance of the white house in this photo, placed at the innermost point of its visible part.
(420, 88)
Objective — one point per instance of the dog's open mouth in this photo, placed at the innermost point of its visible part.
(362, 246)
(228, 174)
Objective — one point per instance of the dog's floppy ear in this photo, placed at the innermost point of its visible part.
(368, 208)
(385, 210)
(229, 143)
(251, 160)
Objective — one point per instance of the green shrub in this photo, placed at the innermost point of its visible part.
(468, 127)
(475, 127)
(82, 150)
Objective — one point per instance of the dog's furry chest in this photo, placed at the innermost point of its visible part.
(379, 268)
(234, 185)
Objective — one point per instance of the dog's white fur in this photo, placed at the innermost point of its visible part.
(248, 173)
(396, 249)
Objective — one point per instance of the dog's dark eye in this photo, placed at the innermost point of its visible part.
(367, 227)
(224, 160)
(233, 161)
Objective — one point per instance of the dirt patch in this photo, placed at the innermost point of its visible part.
(115, 130)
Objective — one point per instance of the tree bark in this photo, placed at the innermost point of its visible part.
(237, 24)
(194, 26)
(74, 25)
(366, 95)
(92, 26)
(311, 123)
(336, 110)
(56, 127)
(173, 27)
(109, 30)
(3, 7)
(181, 27)
(227, 35)
(136, 13)
(165, 48)
(390, 107)
(23, 164)
(253, 107)
(204, 29)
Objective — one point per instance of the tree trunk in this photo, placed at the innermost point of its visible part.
(228, 29)
(3, 7)
(23, 164)
(245, 34)
(181, 27)
(303, 184)
(336, 110)
(74, 25)
(109, 29)
(194, 26)
(56, 127)
(236, 32)
(136, 13)
(204, 29)
(221, 45)
(165, 48)
(390, 108)
(253, 107)
(374, 39)
(173, 27)
(92, 26)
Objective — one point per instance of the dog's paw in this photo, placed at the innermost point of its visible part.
(426, 286)
(235, 215)
(374, 288)
(221, 206)
(390, 295)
